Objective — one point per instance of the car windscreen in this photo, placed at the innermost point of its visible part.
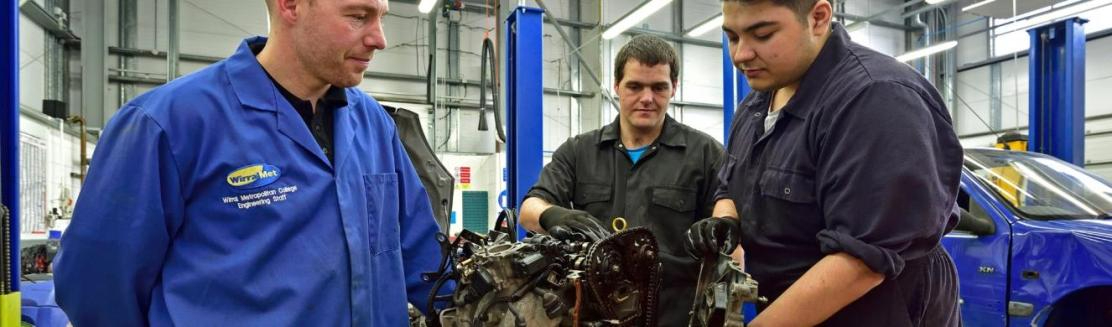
(1041, 187)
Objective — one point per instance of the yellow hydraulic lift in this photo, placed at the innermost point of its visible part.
(1006, 178)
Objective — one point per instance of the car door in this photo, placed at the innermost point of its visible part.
(980, 247)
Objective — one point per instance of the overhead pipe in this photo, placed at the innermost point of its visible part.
(84, 162)
(586, 67)
(127, 33)
(174, 41)
(951, 58)
(918, 22)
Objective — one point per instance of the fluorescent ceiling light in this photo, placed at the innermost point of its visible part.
(1065, 3)
(1019, 40)
(426, 6)
(931, 2)
(1036, 12)
(711, 24)
(975, 5)
(1051, 16)
(634, 17)
(927, 51)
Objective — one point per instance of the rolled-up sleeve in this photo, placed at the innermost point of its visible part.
(557, 180)
(714, 159)
(887, 176)
(722, 189)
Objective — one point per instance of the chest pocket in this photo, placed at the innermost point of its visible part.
(382, 210)
(590, 193)
(676, 198)
(788, 186)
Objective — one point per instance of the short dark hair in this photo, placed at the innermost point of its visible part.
(270, 5)
(800, 7)
(650, 51)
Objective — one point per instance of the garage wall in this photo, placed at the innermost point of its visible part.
(214, 28)
(975, 116)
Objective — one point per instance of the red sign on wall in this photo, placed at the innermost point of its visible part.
(464, 174)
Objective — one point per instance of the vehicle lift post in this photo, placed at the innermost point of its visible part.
(524, 103)
(9, 163)
(731, 95)
(734, 89)
(1057, 90)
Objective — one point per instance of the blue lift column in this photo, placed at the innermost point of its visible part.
(9, 160)
(1057, 90)
(731, 95)
(524, 103)
(734, 89)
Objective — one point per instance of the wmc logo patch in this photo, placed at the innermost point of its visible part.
(257, 175)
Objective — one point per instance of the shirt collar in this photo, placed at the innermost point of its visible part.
(814, 80)
(247, 79)
(670, 135)
(333, 98)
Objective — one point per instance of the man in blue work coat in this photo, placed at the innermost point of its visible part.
(262, 190)
(841, 179)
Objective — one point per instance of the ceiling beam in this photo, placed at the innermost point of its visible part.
(872, 19)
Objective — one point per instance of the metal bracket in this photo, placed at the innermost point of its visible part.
(1020, 309)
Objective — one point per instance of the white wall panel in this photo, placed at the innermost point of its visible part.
(701, 73)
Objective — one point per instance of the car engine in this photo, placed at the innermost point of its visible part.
(543, 281)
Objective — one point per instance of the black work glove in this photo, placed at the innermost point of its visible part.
(572, 225)
(711, 236)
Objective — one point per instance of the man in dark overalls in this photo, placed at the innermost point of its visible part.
(841, 178)
(644, 167)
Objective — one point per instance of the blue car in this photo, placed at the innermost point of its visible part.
(1034, 246)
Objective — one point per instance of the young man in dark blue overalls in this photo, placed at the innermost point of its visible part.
(841, 179)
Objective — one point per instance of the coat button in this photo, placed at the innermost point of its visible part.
(758, 115)
(787, 190)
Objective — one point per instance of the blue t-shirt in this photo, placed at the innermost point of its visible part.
(635, 154)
